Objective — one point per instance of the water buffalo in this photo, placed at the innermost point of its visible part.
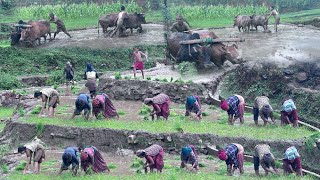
(15, 37)
(107, 21)
(260, 20)
(242, 22)
(194, 52)
(134, 20)
(219, 52)
(39, 29)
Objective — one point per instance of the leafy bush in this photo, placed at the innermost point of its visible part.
(56, 77)
(117, 75)
(5, 169)
(8, 81)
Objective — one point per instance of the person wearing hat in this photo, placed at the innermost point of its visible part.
(34, 150)
(70, 157)
(189, 155)
(292, 161)
(179, 25)
(52, 96)
(102, 103)
(82, 104)
(263, 109)
(262, 155)
(154, 157)
(234, 105)
(60, 25)
(160, 104)
(233, 154)
(289, 113)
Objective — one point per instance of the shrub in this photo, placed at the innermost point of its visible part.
(55, 78)
(117, 75)
(8, 81)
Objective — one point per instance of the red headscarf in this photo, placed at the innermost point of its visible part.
(224, 105)
(222, 155)
(84, 156)
(95, 103)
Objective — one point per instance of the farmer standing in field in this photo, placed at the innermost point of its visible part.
(262, 155)
(233, 154)
(119, 22)
(69, 73)
(263, 109)
(91, 75)
(52, 96)
(180, 25)
(60, 25)
(138, 63)
(234, 105)
(276, 16)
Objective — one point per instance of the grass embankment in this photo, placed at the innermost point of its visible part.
(5, 113)
(21, 62)
(177, 123)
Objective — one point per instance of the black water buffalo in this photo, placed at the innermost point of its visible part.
(15, 37)
(134, 21)
(107, 21)
(242, 22)
(39, 29)
(193, 52)
(259, 20)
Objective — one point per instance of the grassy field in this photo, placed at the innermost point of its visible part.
(173, 174)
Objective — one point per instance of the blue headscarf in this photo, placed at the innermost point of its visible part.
(191, 100)
(90, 67)
(185, 151)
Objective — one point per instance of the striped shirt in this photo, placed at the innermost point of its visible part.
(153, 150)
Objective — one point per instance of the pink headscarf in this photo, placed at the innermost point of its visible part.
(224, 105)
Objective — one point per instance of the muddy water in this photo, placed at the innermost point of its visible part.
(289, 45)
(153, 34)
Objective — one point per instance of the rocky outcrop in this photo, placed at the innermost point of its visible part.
(34, 80)
(141, 89)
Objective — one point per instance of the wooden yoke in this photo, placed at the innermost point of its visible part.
(211, 40)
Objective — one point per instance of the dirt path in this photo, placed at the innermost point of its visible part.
(153, 34)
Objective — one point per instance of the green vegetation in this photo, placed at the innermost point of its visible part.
(171, 173)
(52, 61)
(187, 68)
(180, 123)
(5, 169)
(6, 112)
(40, 128)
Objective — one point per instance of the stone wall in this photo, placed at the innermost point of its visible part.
(141, 89)
(17, 133)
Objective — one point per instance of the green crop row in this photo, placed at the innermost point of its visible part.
(219, 11)
(74, 10)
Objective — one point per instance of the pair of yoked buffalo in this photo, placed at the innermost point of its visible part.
(134, 20)
(204, 55)
(244, 22)
(33, 34)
